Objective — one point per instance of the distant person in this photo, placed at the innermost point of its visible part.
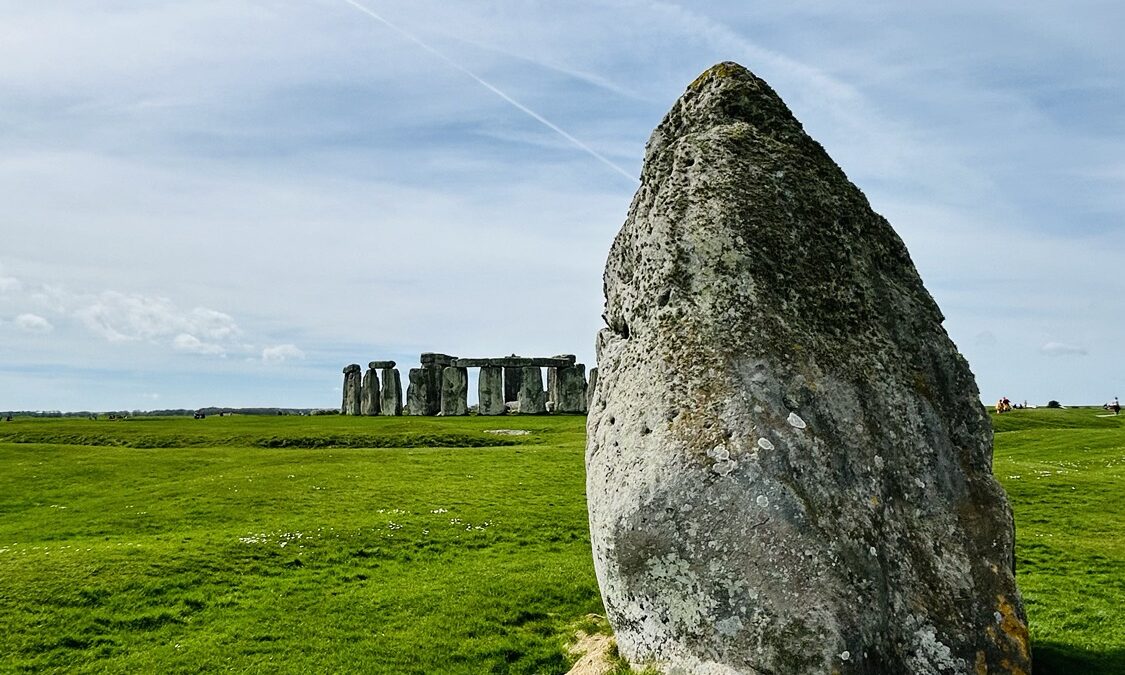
(1116, 407)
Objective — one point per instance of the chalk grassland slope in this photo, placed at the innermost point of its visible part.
(231, 556)
(1064, 471)
(183, 545)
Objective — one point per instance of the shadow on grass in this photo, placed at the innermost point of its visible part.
(1055, 658)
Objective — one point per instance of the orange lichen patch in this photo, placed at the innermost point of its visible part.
(1014, 628)
(982, 664)
(874, 500)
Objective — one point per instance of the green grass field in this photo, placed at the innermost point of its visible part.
(417, 545)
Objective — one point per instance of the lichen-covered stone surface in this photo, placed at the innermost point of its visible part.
(788, 463)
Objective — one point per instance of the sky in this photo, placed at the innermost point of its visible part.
(224, 202)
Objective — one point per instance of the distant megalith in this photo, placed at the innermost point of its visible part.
(454, 391)
(531, 397)
(789, 469)
(390, 400)
(353, 383)
(370, 394)
(490, 391)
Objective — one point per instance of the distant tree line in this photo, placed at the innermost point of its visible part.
(170, 412)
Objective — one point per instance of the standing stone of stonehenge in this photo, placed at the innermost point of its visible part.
(416, 391)
(531, 397)
(553, 393)
(454, 391)
(490, 391)
(352, 385)
(570, 388)
(369, 397)
(391, 400)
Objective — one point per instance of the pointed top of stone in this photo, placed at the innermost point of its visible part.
(728, 92)
(352, 368)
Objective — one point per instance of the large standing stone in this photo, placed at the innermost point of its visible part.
(490, 391)
(531, 397)
(391, 400)
(369, 396)
(424, 390)
(570, 389)
(350, 405)
(788, 462)
(454, 391)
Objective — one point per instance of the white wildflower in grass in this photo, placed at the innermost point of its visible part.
(394, 526)
(440, 511)
(454, 521)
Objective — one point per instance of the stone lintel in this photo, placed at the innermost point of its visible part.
(473, 363)
(435, 359)
(381, 364)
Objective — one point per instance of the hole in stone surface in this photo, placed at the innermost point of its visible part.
(612, 419)
(645, 431)
(663, 298)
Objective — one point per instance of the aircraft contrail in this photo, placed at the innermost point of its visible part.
(489, 86)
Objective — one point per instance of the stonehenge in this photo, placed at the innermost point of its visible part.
(441, 385)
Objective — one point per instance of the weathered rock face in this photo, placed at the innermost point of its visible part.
(490, 391)
(390, 402)
(788, 463)
(352, 400)
(531, 397)
(369, 395)
(454, 391)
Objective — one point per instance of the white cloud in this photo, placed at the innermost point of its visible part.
(279, 353)
(1062, 349)
(193, 345)
(9, 284)
(119, 317)
(33, 323)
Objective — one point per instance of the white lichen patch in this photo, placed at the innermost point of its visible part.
(762, 501)
(725, 467)
(765, 444)
(845, 655)
(795, 421)
(719, 453)
(729, 626)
